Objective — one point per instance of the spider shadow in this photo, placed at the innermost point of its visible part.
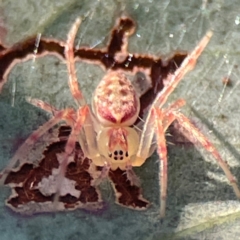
(17, 122)
(223, 140)
(190, 181)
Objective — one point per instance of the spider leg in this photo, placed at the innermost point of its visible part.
(132, 177)
(87, 137)
(168, 117)
(20, 155)
(43, 105)
(145, 147)
(49, 108)
(103, 174)
(69, 149)
(163, 118)
(162, 153)
(72, 139)
(173, 79)
(193, 134)
(69, 54)
(160, 122)
(186, 66)
(167, 120)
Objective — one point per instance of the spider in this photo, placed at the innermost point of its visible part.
(105, 129)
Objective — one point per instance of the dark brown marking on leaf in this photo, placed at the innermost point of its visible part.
(105, 57)
(25, 181)
(24, 50)
(2, 47)
(24, 197)
(126, 194)
(19, 176)
(124, 26)
(159, 72)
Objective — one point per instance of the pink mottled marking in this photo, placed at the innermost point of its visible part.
(115, 101)
(118, 136)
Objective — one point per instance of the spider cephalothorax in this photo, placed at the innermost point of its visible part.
(118, 146)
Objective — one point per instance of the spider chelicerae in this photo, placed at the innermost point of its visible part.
(105, 129)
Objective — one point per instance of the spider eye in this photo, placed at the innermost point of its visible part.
(118, 155)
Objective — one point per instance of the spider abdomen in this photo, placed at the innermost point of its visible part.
(115, 100)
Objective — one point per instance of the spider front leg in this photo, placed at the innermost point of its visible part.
(173, 79)
(87, 137)
(162, 120)
(156, 116)
(156, 124)
(69, 54)
(162, 153)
